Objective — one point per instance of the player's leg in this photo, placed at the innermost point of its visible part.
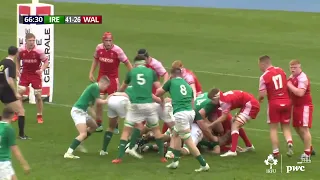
(133, 118)
(108, 133)
(114, 86)
(304, 130)
(80, 119)
(182, 126)
(39, 102)
(153, 123)
(196, 137)
(273, 119)
(22, 88)
(10, 100)
(285, 116)
(238, 122)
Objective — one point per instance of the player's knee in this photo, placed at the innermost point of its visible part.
(185, 150)
(239, 121)
(37, 94)
(21, 89)
(83, 135)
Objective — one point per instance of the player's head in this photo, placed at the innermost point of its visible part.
(214, 95)
(104, 83)
(7, 114)
(139, 60)
(144, 53)
(12, 51)
(295, 67)
(177, 64)
(264, 62)
(107, 40)
(176, 72)
(30, 40)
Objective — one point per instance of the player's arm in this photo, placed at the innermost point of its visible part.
(16, 151)
(17, 62)
(262, 89)
(94, 64)
(165, 88)
(124, 59)
(225, 108)
(301, 89)
(191, 81)
(126, 82)
(157, 99)
(166, 77)
(204, 125)
(45, 61)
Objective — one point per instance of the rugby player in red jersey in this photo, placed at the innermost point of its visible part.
(32, 57)
(108, 56)
(155, 65)
(190, 77)
(230, 100)
(273, 84)
(299, 86)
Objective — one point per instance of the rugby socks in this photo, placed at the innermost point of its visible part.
(75, 143)
(244, 137)
(307, 152)
(21, 123)
(99, 122)
(134, 137)
(164, 128)
(290, 142)
(117, 127)
(234, 138)
(106, 140)
(275, 152)
(201, 160)
(177, 155)
(122, 148)
(159, 143)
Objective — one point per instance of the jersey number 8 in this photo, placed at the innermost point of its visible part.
(183, 90)
(140, 79)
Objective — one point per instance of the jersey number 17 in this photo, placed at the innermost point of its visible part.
(277, 81)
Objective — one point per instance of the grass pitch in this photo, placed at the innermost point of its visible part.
(221, 46)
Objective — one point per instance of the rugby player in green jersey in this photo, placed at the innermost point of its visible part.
(142, 108)
(182, 102)
(8, 145)
(84, 123)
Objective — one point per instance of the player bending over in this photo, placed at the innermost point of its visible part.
(230, 100)
(273, 84)
(142, 108)
(7, 146)
(31, 57)
(108, 56)
(225, 136)
(182, 102)
(84, 123)
(299, 86)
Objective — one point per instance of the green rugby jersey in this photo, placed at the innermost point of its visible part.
(181, 94)
(203, 102)
(7, 139)
(88, 97)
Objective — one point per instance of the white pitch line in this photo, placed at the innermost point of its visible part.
(204, 72)
(251, 129)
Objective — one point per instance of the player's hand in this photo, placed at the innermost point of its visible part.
(91, 77)
(26, 168)
(18, 96)
(39, 71)
(289, 83)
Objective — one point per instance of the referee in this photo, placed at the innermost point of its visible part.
(8, 92)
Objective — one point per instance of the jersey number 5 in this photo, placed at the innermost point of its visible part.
(140, 79)
(277, 81)
(183, 90)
